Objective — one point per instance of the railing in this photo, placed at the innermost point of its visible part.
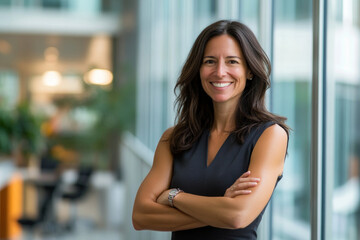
(136, 160)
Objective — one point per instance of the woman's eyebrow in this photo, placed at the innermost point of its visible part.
(233, 57)
(225, 57)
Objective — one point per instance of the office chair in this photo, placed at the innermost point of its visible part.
(45, 219)
(76, 192)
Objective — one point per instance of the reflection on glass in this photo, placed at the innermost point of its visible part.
(343, 77)
(291, 97)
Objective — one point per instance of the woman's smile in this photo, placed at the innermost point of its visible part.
(221, 85)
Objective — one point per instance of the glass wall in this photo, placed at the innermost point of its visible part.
(291, 97)
(343, 117)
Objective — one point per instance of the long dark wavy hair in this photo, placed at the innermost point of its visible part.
(195, 111)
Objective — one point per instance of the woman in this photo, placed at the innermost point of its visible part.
(215, 170)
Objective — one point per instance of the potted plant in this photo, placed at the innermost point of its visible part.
(6, 133)
(20, 135)
(26, 133)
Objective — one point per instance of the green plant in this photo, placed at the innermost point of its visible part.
(19, 131)
(27, 135)
(6, 131)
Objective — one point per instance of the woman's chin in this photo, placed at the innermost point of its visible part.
(222, 100)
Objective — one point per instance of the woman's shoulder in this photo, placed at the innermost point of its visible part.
(276, 130)
(167, 133)
(273, 127)
(270, 129)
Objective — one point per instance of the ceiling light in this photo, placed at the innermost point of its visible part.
(51, 78)
(99, 76)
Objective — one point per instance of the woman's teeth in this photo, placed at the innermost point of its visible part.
(221, 84)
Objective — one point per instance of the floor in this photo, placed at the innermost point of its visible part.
(93, 234)
(98, 217)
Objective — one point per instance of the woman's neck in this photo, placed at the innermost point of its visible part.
(224, 118)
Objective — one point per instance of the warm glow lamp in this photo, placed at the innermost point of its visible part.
(99, 76)
(51, 78)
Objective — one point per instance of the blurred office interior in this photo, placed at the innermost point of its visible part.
(86, 90)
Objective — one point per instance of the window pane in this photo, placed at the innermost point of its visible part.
(291, 97)
(343, 106)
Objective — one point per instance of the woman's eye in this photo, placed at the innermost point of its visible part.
(233, 62)
(209, 61)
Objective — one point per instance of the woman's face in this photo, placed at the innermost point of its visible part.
(223, 71)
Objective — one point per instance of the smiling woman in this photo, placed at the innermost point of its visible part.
(215, 170)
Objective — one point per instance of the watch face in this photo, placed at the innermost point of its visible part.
(173, 192)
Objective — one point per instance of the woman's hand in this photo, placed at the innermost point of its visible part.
(241, 185)
(163, 198)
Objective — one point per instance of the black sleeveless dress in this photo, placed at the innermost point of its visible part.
(191, 174)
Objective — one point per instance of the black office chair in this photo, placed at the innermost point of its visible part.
(45, 220)
(76, 192)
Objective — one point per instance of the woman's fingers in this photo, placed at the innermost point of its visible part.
(241, 185)
(240, 189)
(244, 180)
(244, 185)
(246, 174)
(240, 192)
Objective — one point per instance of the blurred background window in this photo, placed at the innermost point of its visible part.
(291, 97)
(343, 117)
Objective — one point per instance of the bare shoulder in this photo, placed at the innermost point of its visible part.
(270, 149)
(162, 152)
(167, 133)
(275, 133)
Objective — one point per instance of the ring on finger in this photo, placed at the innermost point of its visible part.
(232, 188)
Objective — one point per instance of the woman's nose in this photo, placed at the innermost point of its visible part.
(220, 69)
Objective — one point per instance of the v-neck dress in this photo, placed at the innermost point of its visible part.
(192, 174)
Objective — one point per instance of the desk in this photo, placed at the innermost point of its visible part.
(10, 200)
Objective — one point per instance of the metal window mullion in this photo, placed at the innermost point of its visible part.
(266, 34)
(328, 136)
(317, 121)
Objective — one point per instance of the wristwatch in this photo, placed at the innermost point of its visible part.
(172, 194)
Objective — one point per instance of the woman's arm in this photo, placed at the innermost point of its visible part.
(267, 162)
(148, 214)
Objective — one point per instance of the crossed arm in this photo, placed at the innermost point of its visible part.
(236, 209)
